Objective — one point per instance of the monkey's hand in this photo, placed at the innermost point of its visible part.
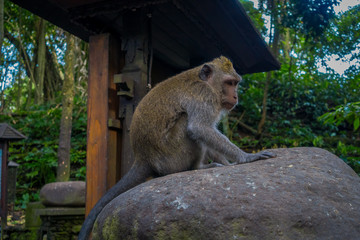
(260, 155)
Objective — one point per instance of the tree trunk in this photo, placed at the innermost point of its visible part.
(19, 87)
(63, 170)
(275, 49)
(53, 78)
(264, 104)
(40, 62)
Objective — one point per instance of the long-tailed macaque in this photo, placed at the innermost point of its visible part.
(174, 129)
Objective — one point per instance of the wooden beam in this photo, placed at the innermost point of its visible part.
(103, 143)
(115, 139)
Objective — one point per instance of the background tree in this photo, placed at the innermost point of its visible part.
(63, 169)
(39, 71)
(34, 49)
(306, 86)
(307, 17)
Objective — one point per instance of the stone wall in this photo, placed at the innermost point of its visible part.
(61, 223)
(16, 233)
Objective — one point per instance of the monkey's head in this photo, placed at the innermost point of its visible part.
(222, 77)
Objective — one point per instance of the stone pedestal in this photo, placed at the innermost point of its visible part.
(32, 217)
(61, 223)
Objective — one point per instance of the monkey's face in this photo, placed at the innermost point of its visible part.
(224, 80)
(229, 87)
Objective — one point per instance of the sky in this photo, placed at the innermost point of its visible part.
(338, 65)
(345, 5)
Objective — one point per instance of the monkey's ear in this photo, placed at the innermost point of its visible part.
(206, 72)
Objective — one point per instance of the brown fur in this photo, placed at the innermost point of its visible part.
(159, 132)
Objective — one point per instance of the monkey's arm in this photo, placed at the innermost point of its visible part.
(201, 127)
(215, 157)
(258, 156)
(220, 159)
(211, 159)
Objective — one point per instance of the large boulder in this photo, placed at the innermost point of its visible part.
(304, 193)
(63, 194)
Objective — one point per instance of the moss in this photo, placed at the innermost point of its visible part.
(135, 229)
(76, 228)
(178, 231)
(160, 234)
(110, 228)
(24, 235)
(32, 218)
(303, 228)
(95, 234)
(239, 229)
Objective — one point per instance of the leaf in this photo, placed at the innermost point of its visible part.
(32, 174)
(356, 123)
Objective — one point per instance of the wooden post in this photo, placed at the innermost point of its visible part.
(135, 44)
(103, 143)
(3, 182)
(109, 155)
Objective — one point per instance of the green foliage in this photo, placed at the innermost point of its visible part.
(37, 155)
(350, 154)
(344, 36)
(295, 104)
(255, 14)
(298, 93)
(309, 16)
(349, 112)
(251, 95)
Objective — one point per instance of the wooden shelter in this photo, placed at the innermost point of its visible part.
(135, 44)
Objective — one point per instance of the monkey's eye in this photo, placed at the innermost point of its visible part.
(232, 82)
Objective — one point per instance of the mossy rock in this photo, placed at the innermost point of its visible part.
(63, 194)
(303, 193)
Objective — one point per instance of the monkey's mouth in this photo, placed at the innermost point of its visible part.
(228, 106)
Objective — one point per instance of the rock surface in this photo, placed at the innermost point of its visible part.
(304, 193)
(63, 194)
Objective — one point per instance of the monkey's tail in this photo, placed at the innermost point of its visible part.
(138, 173)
